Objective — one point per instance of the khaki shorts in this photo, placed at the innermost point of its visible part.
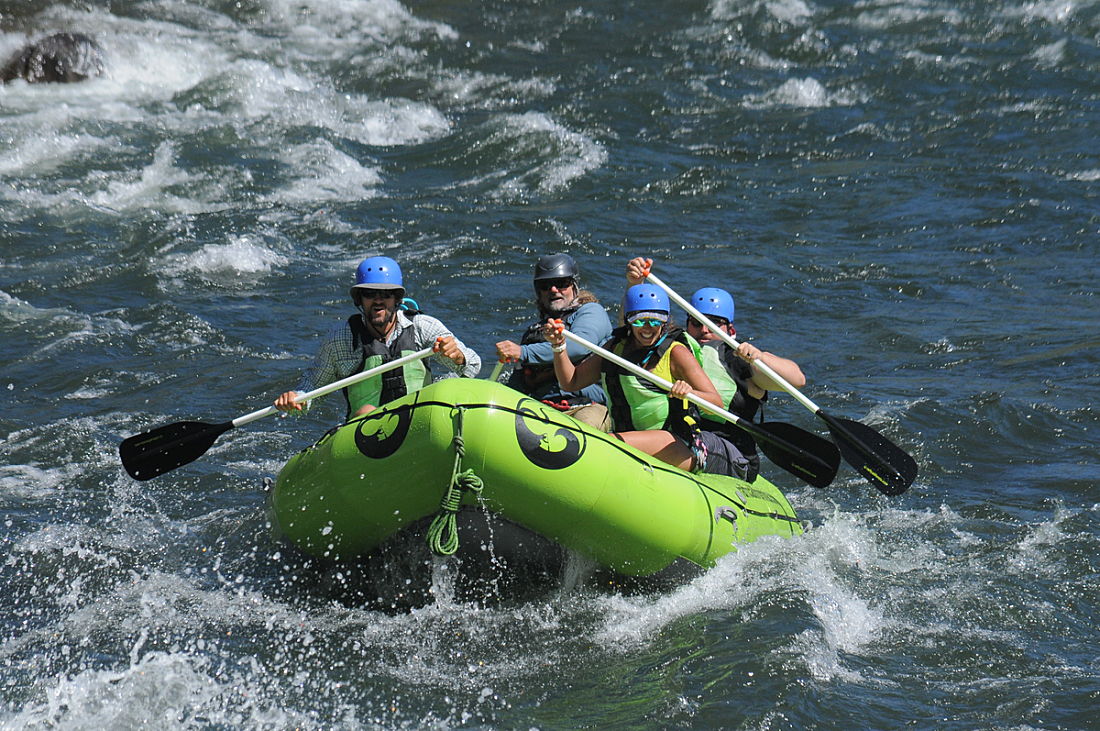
(595, 415)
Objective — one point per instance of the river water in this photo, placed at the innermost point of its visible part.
(901, 194)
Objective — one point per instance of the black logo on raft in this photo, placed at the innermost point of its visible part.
(379, 437)
(548, 445)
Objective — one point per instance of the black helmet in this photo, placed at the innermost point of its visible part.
(556, 266)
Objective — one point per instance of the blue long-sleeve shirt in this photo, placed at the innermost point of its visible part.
(590, 321)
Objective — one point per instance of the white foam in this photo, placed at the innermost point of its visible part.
(1050, 55)
(822, 660)
(826, 568)
(31, 482)
(1052, 11)
(941, 346)
(14, 309)
(419, 645)
(242, 255)
(806, 93)
(389, 122)
(63, 325)
(40, 154)
(885, 413)
(106, 384)
(566, 155)
(67, 540)
(167, 77)
(149, 189)
(146, 60)
(266, 102)
(381, 21)
(886, 14)
(467, 87)
(848, 621)
(633, 621)
(1032, 551)
(161, 689)
(923, 58)
(28, 477)
(787, 11)
(421, 639)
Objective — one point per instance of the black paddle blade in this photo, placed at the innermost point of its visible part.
(804, 454)
(882, 462)
(165, 448)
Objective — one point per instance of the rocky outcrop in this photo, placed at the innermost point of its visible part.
(59, 58)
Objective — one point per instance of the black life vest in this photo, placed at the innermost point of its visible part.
(394, 382)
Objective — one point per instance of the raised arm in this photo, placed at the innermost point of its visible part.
(570, 377)
(785, 367)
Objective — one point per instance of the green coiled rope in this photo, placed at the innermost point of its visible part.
(443, 532)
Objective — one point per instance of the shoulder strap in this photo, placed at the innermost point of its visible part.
(363, 342)
(533, 334)
(359, 333)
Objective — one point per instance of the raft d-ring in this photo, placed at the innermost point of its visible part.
(725, 512)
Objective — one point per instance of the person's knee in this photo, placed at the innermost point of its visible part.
(723, 458)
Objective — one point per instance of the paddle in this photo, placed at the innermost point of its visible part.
(803, 454)
(165, 448)
(885, 465)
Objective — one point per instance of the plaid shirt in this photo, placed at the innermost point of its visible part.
(336, 358)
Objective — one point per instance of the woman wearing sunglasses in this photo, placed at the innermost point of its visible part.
(644, 416)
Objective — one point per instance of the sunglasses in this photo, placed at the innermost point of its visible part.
(719, 321)
(646, 322)
(373, 294)
(544, 285)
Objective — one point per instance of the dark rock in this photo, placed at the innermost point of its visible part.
(61, 57)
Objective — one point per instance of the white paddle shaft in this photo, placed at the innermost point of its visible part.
(652, 377)
(337, 385)
(733, 343)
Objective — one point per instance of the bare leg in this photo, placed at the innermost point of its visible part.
(662, 445)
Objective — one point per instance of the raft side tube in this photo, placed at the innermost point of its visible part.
(586, 490)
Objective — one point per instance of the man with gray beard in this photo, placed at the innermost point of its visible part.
(557, 296)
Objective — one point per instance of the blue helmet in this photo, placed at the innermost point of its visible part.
(648, 299)
(378, 272)
(714, 302)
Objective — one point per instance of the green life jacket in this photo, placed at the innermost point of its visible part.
(390, 385)
(730, 376)
(635, 403)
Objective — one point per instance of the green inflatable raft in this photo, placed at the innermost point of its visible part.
(468, 445)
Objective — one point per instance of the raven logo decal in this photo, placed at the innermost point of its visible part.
(380, 436)
(543, 442)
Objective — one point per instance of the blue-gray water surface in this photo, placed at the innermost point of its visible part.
(901, 194)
